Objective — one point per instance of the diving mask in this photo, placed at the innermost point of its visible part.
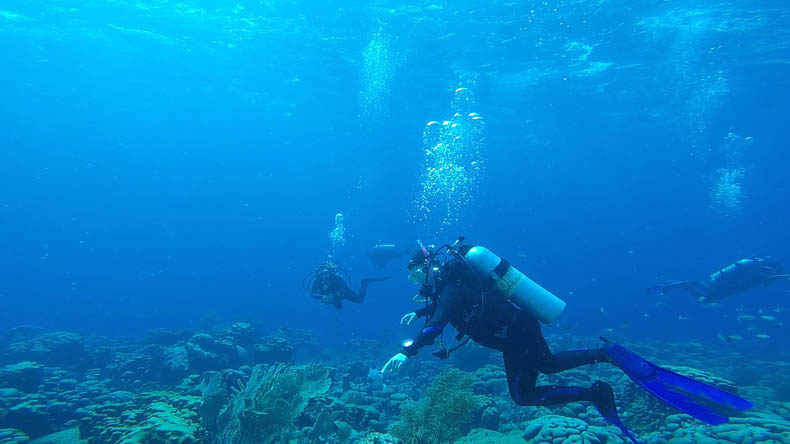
(416, 275)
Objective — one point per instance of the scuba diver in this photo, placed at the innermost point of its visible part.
(382, 254)
(330, 284)
(488, 300)
(730, 280)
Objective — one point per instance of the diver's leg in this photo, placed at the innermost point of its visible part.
(352, 296)
(527, 353)
(566, 360)
(670, 285)
(359, 296)
(522, 376)
(531, 338)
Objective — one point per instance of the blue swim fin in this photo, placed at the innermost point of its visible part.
(702, 401)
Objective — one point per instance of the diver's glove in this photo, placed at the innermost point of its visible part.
(407, 318)
(394, 363)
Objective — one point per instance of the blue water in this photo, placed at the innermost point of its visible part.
(171, 164)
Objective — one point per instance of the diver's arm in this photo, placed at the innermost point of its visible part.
(419, 313)
(448, 297)
(433, 328)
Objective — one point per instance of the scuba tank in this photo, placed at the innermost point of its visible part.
(730, 268)
(513, 284)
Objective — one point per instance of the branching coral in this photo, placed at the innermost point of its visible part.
(263, 410)
(441, 413)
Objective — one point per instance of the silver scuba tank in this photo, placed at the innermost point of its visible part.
(730, 268)
(514, 285)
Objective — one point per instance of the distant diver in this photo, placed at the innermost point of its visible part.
(489, 301)
(733, 279)
(382, 254)
(330, 284)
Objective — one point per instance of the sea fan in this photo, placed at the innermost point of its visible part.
(439, 416)
(263, 410)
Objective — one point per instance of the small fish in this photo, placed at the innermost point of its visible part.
(763, 336)
(683, 318)
(602, 311)
(746, 318)
(730, 338)
(779, 310)
(768, 318)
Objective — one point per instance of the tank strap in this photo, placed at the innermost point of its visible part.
(499, 271)
(501, 268)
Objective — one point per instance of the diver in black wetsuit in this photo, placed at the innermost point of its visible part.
(739, 277)
(456, 296)
(482, 307)
(329, 283)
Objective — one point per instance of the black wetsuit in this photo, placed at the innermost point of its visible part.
(331, 288)
(460, 299)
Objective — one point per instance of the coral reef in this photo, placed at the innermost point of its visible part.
(273, 349)
(439, 416)
(57, 348)
(208, 386)
(478, 436)
(149, 417)
(566, 430)
(263, 409)
(25, 376)
(10, 436)
(756, 429)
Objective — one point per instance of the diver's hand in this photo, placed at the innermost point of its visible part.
(407, 318)
(394, 363)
